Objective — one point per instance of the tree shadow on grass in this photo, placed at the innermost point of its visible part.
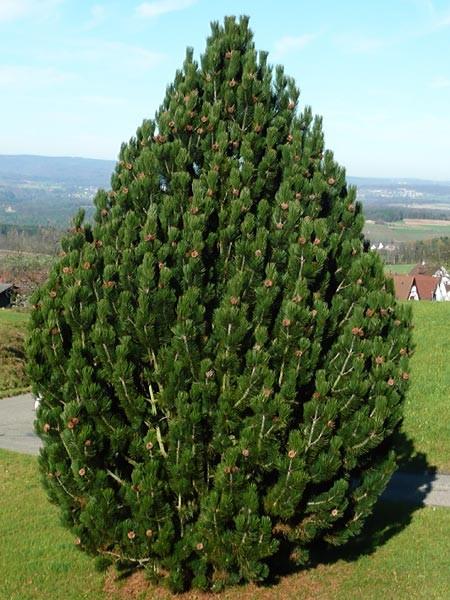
(406, 492)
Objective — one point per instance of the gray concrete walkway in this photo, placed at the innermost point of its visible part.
(16, 433)
(431, 489)
(16, 424)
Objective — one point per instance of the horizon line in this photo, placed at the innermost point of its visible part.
(115, 160)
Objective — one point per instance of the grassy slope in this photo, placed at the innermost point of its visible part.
(29, 261)
(13, 325)
(427, 406)
(400, 554)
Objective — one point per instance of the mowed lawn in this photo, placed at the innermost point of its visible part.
(38, 559)
(13, 326)
(402, 554)
(427, 408)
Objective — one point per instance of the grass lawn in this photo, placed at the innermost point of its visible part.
(427, 407)
(37, 557)
(404, 554)
(13, 325)
(400, 269)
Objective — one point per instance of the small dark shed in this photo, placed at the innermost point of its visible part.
(7, 294)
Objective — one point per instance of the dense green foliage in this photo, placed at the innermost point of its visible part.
(221, 359)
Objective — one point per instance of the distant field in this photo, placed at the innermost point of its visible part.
(426, 222)
(406, 231)
(400, 269)
(11, 260)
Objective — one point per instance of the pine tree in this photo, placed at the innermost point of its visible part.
(221, 359)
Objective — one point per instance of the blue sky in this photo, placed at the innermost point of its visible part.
(78, 76)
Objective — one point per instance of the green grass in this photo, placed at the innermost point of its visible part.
(38, 559)
(411, 564)
(14, 318)
(11, 260)
(400, 269)
(13, 326)
(427, 407)
(403, 554)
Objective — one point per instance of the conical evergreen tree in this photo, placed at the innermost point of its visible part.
(221, 359)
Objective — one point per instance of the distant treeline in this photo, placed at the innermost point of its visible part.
(436, 250)
(389, 214)
(46, 240)
(30, 238)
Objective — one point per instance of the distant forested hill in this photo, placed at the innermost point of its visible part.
(54, 169)
(47, 190)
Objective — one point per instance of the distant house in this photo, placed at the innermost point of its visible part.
(442, 292)
(427, 286)
(443, 274)
(7, 293)
(447, 290)
(431, 281)
(423, 269)
(403, 285)
(419, 287)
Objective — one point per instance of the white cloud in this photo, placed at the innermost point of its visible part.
(98, 100)
(91, 54)
(442, 20)
(290, 43)
(436, 18)
(440, 82)
(11, 10)
(26, 76)
(161, 7)
(97, 16)
(360, 43)
(118, 54)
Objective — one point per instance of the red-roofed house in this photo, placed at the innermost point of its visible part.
(419, 287)
(403, 285)
(426, 286)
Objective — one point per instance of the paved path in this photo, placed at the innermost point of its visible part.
(16, 433)
(16, 424)
(431, 489)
